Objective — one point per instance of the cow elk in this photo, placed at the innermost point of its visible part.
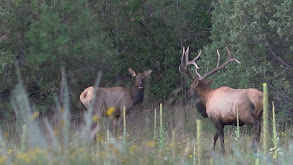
(221, 104)
(115, 97)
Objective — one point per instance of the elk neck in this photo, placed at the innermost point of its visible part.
(136, 94)
(200, 98)
(203, 92)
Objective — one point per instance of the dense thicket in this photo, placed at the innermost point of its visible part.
(85, 36)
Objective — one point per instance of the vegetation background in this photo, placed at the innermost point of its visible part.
(87, 36)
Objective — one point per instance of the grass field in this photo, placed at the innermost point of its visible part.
(168, 135)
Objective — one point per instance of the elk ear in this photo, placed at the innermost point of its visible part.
(132, 72)
(148, 72)
(209, 82)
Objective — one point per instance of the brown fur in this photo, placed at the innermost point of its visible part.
(221, 105)
(115, 97)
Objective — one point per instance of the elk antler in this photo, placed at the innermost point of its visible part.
(208, 73)
(185, 62)
(217, 68)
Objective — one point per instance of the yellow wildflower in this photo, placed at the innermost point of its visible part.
(3, 159)
(6, 134)
(110, 111)
(95, 118)
(132, 149)
(150, 144)
(99, 138)
(35, 115)
(190, 156)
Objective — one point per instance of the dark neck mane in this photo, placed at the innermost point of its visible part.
(136, 95)
(200, 99)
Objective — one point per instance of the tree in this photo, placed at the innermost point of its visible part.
(259, 36)
(150, 34)
(44, 36)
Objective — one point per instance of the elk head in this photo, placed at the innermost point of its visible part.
(139, 77)
(137, 90)
(199, 82)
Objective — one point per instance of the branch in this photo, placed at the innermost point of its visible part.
(281, 60)
(79, 70)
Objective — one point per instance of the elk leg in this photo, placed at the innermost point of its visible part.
(119, 124)
(220, 131)
(94, 128)
(256, 135)
(215, 139)
(115, 126)
(94, 132)
(257, 131)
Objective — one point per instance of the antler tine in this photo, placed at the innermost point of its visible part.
(183, 67)
(217, 68)
(192, 62)
(182, 57)
(183, 64)
(229, 56)
(219, 57)
(188, 63)
(182, 61)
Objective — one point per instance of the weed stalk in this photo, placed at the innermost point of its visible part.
(155, 126)
(199, 141)
(265, 117)
(275, 136)
(237, 132)
(124, 124)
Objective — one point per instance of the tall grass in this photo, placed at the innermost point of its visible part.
(237, 132)
(265, 117)
(155, 125)
(275, 150)
(124, 124)
(44, 143)
(199, 141)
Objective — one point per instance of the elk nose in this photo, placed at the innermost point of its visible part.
(140, 85)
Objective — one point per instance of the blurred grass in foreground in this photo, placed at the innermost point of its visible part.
(36, 140)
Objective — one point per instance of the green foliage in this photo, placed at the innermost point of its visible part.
(257, 33)
(44, 36)
(85, 36)
(150, 34)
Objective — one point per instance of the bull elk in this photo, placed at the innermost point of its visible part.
(221, 104)
(116, 97)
